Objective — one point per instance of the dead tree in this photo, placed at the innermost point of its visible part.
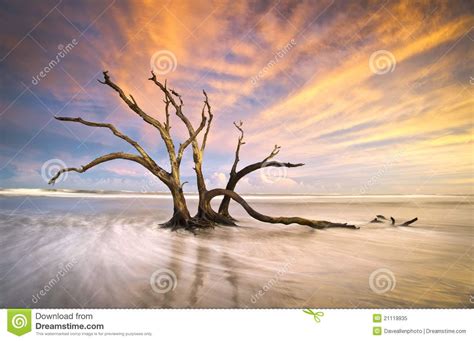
(205, 216)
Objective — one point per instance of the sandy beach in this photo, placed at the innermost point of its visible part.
(103, 251)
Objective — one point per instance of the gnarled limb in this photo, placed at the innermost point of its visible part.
(192, 136)
(274, 153)
(211, 116)
(240, 142)
(317, 224)
(98, 161)
(380, 220)
(132, 104)
(409, 222)
(162, 173)
(175, 99)
(166, 91)
(236, 176)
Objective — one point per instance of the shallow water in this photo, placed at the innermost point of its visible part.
(102, 250)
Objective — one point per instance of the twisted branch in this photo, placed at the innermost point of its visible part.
(274, 153)
(174, 98)
(176, 101)
(211, 116)
(236, 176)
(117, 133)
(317, 224)
(99, 160)
(240, 142)
(193, 135)
(132, 104)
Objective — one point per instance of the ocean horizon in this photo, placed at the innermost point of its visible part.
(194, 195)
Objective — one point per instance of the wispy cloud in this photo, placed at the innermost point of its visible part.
(320, 99)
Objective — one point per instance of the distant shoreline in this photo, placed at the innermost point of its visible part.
(190, 195)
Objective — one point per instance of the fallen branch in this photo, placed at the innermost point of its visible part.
(317, 224)
(409, 222)
(377, 220)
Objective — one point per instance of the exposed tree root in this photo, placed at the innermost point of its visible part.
(198, 222)
(215, 218)
(190, 224)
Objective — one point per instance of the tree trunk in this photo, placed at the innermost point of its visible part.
(236, 176)
(224, 206)
(181, 216)
(207, 213)
(201, 185)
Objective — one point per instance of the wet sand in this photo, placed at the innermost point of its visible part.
(102, 252)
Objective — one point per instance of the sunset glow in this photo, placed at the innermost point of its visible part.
(374, 97)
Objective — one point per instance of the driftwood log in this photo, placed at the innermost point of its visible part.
(379, 219)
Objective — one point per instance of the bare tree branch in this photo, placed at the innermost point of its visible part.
(173, 97)
(176, 101)
(317, 224)
(274, 152)
(167, 111)
(234, 179)
(131, 102)
(236, 176)
(258, 165)
(164, 132)
(98, 161)
(409, 222)
(211, 116)
(240, 142)
(117, 133)
(192, 137)
(167, 92)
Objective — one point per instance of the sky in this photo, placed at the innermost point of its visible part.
(375, 97)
